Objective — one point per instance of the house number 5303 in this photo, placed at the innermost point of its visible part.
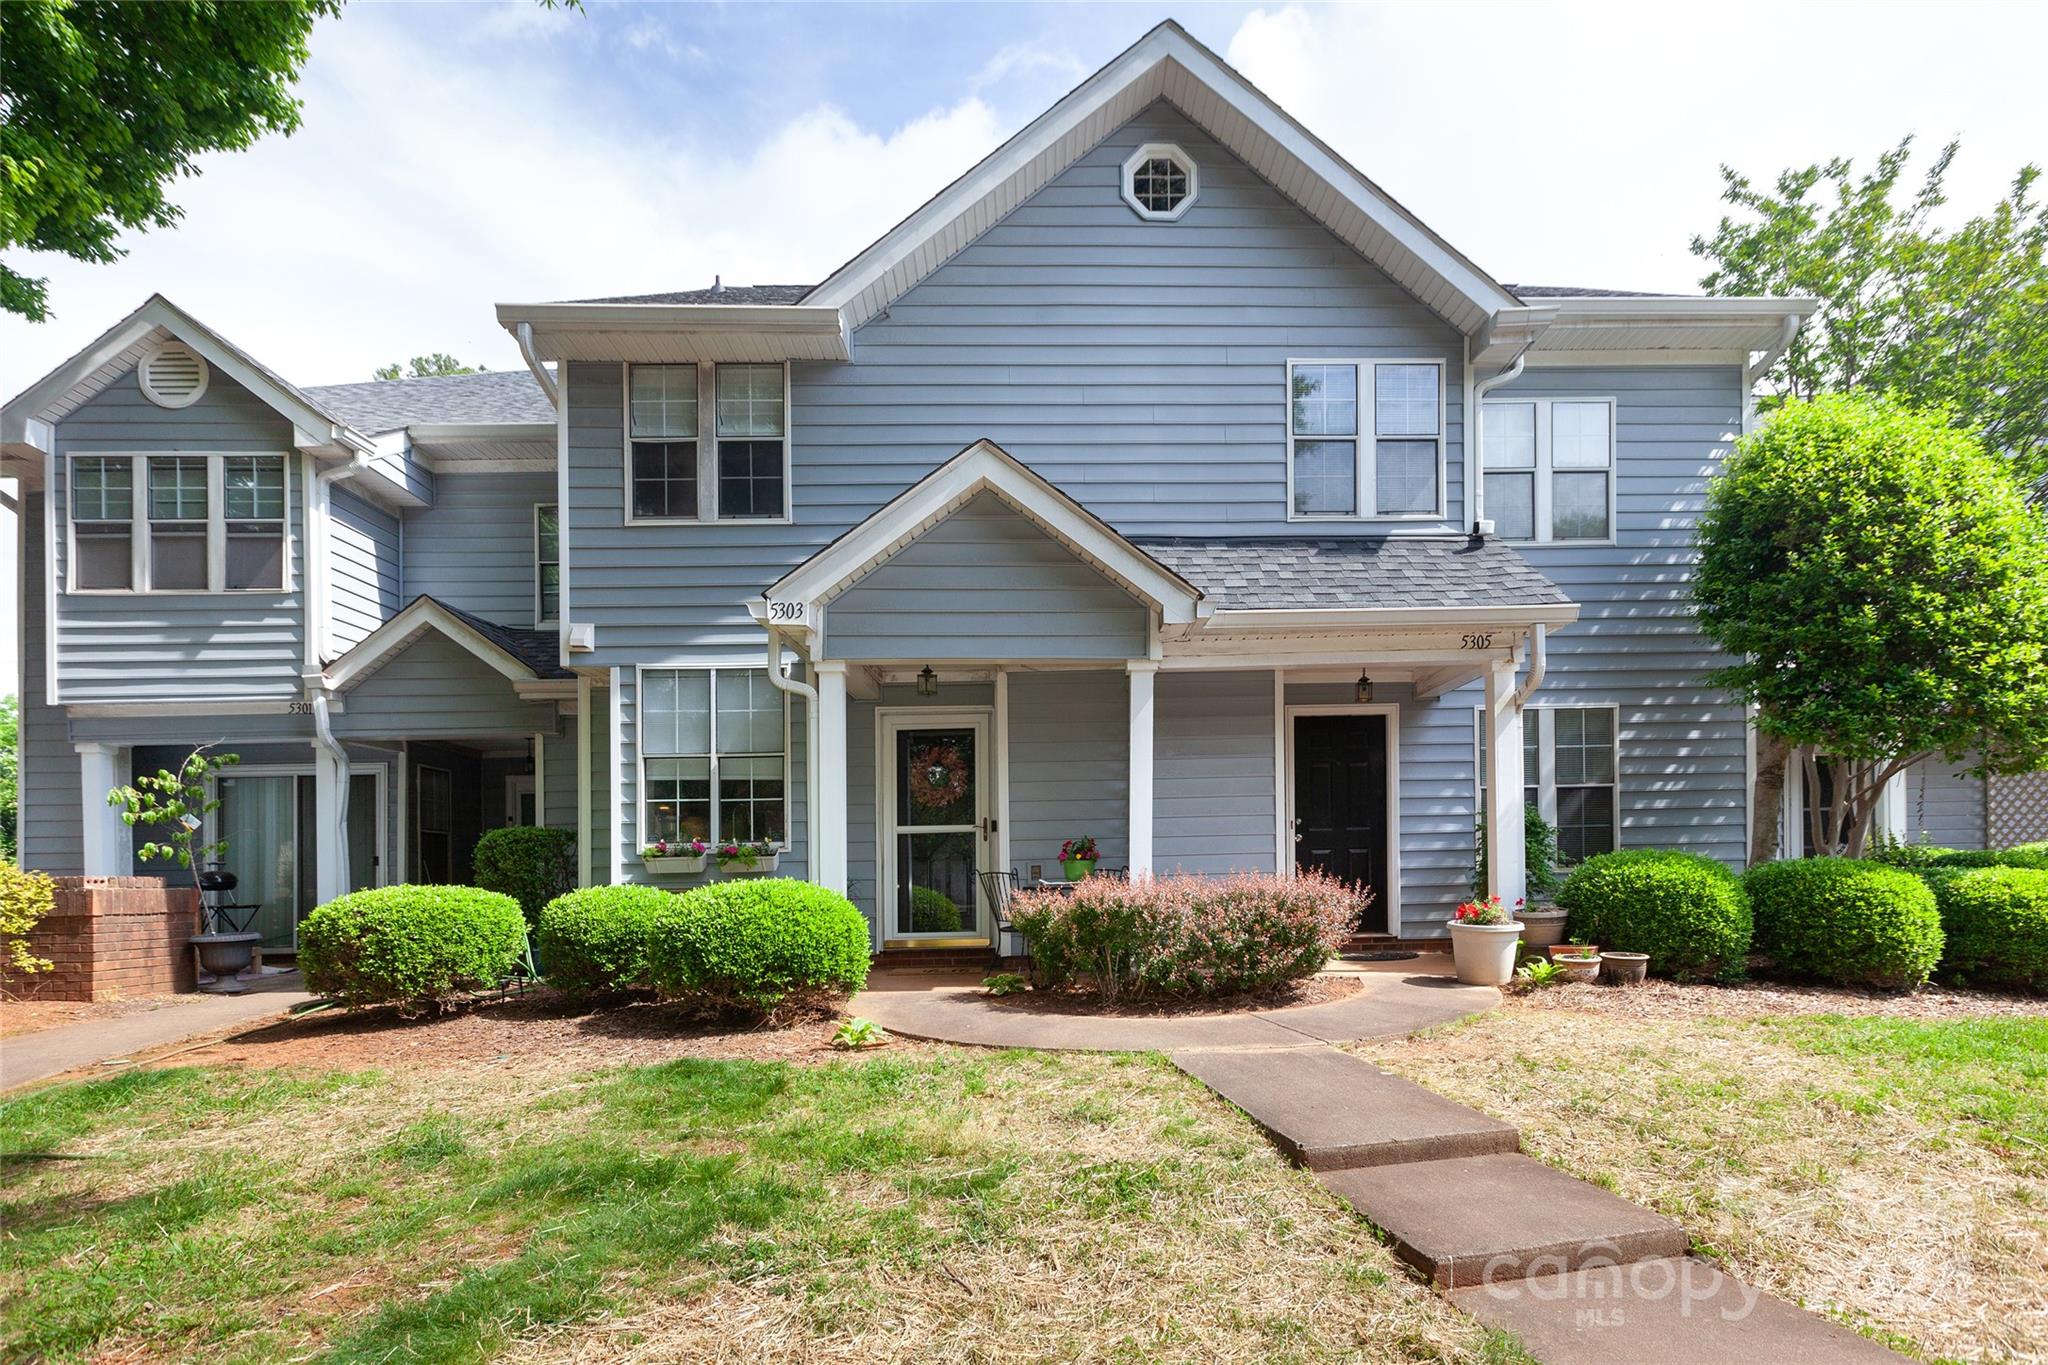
(1476, 641)
(787, 613)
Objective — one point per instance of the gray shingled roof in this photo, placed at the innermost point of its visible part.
(1570, 291)
(495, 396)
(1295, 573)
(724, 293)
(539, 650)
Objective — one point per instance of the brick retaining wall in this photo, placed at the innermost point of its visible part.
(112, 938)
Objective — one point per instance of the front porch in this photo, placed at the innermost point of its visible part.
(993, 670)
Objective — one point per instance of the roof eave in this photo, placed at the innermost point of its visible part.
(579, 331)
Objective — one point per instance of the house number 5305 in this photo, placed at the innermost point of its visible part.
(1476, 641)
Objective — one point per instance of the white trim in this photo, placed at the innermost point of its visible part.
(583, 693)
(51, 695)
(106, 849)
(139, 522)
(383, 841)
(641, 755)
(381, 645)
(1542, 471)
(1167, 151)
(168, 400)
(540, 779)
(1365, 438)
(1565, 360)
(516, 786)
(542, 621)
(981, 467)
(1283, 826)
(708, 513)
(889, 722)
(562, 535)
(1546, 756)
(1001, 757)
(1139, 815)
(1391, 711)
(615, 714)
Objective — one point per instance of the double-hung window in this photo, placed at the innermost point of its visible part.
(1365, 438)
(103, 522)
(1569, 760)
(707, 443)
(713, 746)
(547, 565)
(1550, 468)
(181, 523)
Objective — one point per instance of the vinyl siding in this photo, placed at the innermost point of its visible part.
(985, 584)
(364, 588)
(1139, 366)
(436, 689)
(50, 834)
(1944, 805)
(1070, 767)
(1212, 772)
(473, 549)
(132, 647)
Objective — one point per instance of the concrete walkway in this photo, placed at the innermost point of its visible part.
(51, 1052)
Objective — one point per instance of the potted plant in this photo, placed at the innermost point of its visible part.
(1576, 947)
(761, 856)
(178, 803)
(1077, 857)
(1542, 921)
(1578, 963)
(1483, 938)
(1624, 969)
(680, 858)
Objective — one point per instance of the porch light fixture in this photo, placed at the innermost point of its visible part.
(1364, 688)
(927, 682)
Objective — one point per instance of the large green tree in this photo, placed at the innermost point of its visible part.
(107, 103)
(1884, 583)
(1947, 318)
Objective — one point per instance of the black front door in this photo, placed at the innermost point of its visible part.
(1340, 803)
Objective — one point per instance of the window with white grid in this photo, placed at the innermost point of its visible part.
(1365, 439)
(1549, 468)
(1570, 759)
(713, 755)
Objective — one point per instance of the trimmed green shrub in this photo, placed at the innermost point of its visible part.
(1686, 911)
(1186, 936)
(1845, 920)
(759, 945)
(1991, 857)
(2039, 846)
(1908, 855)
(25, 897)
(527, 863)
(594, 941)
(933, 912)
(1995, 921)
(411, 946)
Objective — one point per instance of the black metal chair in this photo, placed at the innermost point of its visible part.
(998, 887)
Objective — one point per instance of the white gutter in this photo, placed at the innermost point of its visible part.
(1761, 366)
(1475, 476)
(540, 372)
(809, 694)
(325, 732)
(321, 609)
(1538, 658)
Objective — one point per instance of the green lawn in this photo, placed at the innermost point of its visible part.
(917, 1204)
(1890, 1172)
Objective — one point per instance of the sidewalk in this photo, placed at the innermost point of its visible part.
(51, 1052)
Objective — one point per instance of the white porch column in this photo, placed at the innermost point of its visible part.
(582, 780)
(829, 821)
(1142, 674)
(109, 849)
(330, 835)
(1506, 866)
(1000, 848)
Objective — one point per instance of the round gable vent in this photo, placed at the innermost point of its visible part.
(173, 375)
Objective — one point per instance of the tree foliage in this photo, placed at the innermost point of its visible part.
(1885, 586)
(433, 366)
(10, 778)
(108, 103)
(1952, 320)
(177, 803)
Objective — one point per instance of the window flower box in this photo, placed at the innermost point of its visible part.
(664, 859)
(742, 859)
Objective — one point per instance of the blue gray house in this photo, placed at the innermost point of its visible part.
(1161, 480)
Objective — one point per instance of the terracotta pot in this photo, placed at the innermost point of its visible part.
(1558, 950)
(1624, 969)
(1484, 954)
(1542, 925)
(1579, 968)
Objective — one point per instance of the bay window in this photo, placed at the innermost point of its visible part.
(1550, 468)
(707, 443)
(1570, 755)
(1365, 438)
(184, 523)
(713, 755)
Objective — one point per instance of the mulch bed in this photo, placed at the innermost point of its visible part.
(1317, 990)
(1656, 999)
(516, 1030)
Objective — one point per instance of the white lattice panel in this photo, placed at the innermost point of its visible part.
(2017, 809)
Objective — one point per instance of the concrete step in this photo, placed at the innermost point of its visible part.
(1676, 1311)
(1330, 1111)
(1481, 1219)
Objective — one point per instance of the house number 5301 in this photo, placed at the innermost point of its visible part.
(1476, 641)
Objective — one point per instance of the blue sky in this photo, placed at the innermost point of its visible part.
(457, 155)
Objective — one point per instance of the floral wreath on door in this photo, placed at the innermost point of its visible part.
(938, 775)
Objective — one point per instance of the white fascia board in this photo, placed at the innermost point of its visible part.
(1681, 308)
(1507, 334)
(384, 643)
(987, 467)
(1144, 61)
(1391, 618)
(555, 326)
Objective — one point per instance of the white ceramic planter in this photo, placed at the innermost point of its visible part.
(763, 865)
(674, 867)
(1484, 953)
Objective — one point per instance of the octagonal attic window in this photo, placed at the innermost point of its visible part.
(1160, 182)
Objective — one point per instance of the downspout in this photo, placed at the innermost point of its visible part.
(1761, 366)
(809, 694)
(1538, 658)
(540, 371)
(1476, 473)
(322, 729)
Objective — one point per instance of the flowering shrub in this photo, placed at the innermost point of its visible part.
(679, 848)
(1488, 911)
(1185, 936)
(1081, 850)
